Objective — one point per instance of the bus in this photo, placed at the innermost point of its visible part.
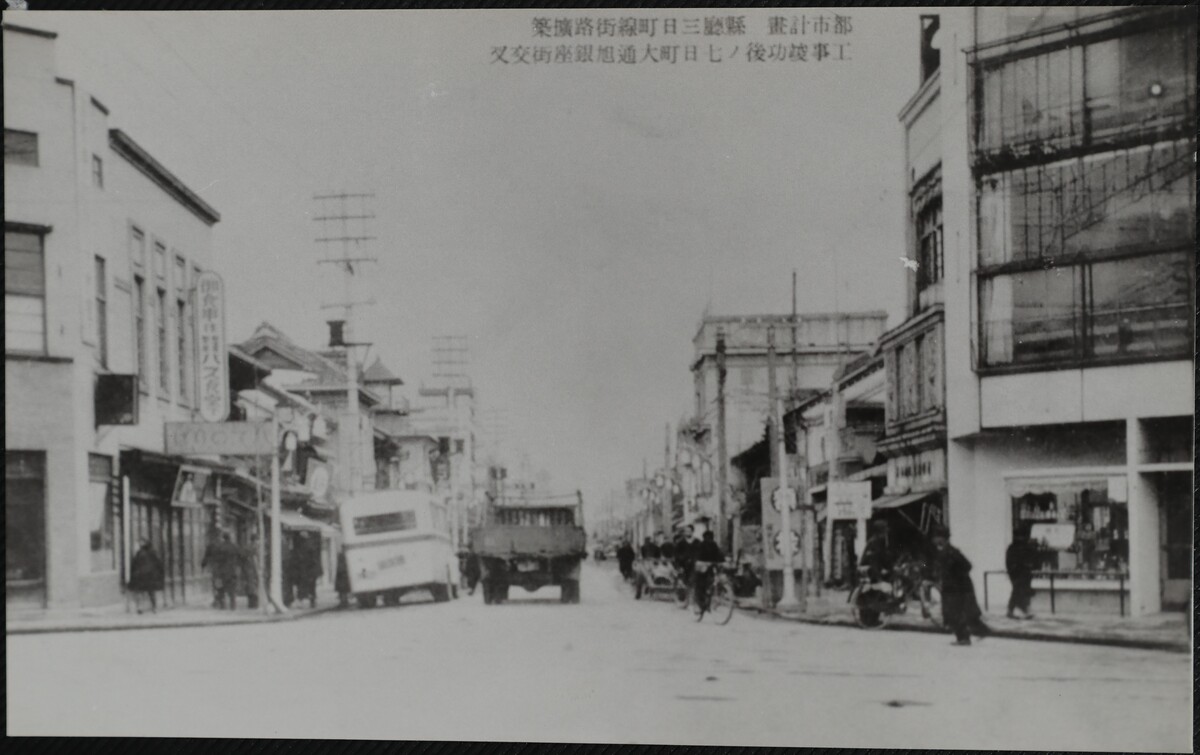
(397, 541)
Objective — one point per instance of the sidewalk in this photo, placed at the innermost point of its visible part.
(123, 616)
(1163, 631)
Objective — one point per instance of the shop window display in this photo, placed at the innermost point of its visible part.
(1077, 525)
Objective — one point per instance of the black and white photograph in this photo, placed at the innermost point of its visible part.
(809, 376)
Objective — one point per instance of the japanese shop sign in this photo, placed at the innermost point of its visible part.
(803, 38)
(849, 500)
(223, 438)
(212, 362)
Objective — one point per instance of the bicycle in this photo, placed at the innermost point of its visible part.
(715, 595)
(872, 603)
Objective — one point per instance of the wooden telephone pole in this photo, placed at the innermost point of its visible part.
(722, 468)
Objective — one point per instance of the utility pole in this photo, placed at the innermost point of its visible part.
(668, 486)
(451, 355)
(275, 591)
(787, 498)
(349, 241)
(721, 455)
(802, 509)
(772, 400)
(794, 385)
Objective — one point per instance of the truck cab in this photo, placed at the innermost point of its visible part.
(531, 546)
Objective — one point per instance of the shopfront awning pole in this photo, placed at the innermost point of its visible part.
(261, 555)
(276, 589)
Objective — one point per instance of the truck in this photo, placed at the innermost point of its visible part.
(531, 544)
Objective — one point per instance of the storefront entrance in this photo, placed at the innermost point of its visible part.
(25, 528)
(1174, 491)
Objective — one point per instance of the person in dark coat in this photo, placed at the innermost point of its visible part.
(1020, 560)
(666, 549)
(307, 557)
(249, 575)
(649, 549)
(224, 558)
(471, 570)
(960, 609)
(685, 553)
(625, 557)
(146, 575)
(341, 580)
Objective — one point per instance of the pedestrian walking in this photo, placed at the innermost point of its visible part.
(960, 609)
(224, 558)
(146, 576)
(1020, 560)
(625, 557)
(249, 564)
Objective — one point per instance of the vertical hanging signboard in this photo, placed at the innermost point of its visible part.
(212, 362)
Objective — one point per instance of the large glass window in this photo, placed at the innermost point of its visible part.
(164, 359)
(24, 292)
(1137, 307)
(1077, 525)
(929, 244)
(1134, 199)
(1087, 94)
(101, 312)
(139, 327)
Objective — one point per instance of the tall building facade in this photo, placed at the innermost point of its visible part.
(1067, 141)
(102, 248)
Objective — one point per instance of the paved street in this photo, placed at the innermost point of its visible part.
(610, 670)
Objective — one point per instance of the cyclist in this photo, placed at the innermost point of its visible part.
(707, 552)
(878, 558)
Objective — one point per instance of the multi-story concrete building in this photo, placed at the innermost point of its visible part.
(1066, 140)
(102, 245)
(807, 358)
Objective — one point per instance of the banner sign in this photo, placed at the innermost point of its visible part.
(212, 361)
(219, 438)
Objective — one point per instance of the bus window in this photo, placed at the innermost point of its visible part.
(394, 521)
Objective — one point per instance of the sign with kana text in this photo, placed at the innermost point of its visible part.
(219, 438)
(212, 361)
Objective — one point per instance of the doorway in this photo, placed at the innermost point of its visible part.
(1174, 491)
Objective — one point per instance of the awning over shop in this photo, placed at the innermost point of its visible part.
(896, 501)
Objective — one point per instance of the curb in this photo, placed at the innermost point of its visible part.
(263, 619)
(1136, 644)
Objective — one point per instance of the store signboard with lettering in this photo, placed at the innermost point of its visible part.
(219, 438)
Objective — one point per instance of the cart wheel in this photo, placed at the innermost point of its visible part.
(366, 601)
(866, 612)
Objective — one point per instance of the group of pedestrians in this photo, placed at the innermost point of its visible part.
(234, 570)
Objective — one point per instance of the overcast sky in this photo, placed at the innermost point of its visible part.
(575, 220)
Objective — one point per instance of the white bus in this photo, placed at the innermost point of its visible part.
(396, 541)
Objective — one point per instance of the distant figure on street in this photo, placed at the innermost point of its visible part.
(224, 559)
(685, 553)
(625, 557)
(307, 566)
(341, 580)
(666, 549)
(249, 564)
(960, 609)
(471, 569)
(146, 576)
(649, 549)
(1020, 560)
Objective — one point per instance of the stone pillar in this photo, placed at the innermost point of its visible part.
(1145, 595)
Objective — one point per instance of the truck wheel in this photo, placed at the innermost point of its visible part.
(502, 593)
(366, 601)
(570, 591)
(489, 592)
(441, 593)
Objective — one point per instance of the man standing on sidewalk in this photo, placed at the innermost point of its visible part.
(224, 560)
(1020, 560)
